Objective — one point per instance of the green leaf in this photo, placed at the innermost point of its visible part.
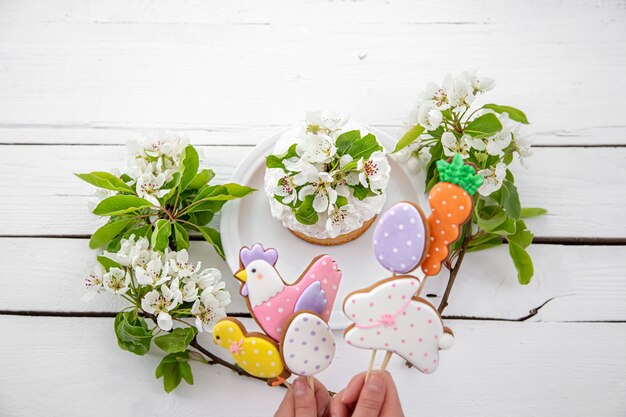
(509, 200)
(189, 167)
(484, 242)
(108, 232)
(202, 178)
(306, 214)
(364, 147)
(514, 114)
(108, 263)
(522, 237)
(506, 228)
(522, 262)
(181, 236)
(484, 126)
(173, 368)
(361, 192)
(177, 340)
(132, 333)
(161, 235)
(212, 198)
(106, 180)
(532, 212)
(213, 237)
(491, 223)
(345, 141)
(201, 217)
(409, 137)
(341, 201)
(143, 231)
(276, 161)
(120, 204)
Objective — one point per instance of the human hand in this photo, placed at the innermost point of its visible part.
(301, 401)
(378, 397)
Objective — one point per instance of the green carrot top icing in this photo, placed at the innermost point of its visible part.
(459, 173)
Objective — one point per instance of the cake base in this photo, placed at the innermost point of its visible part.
(339, 240)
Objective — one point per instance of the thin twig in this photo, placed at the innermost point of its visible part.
(455, 270)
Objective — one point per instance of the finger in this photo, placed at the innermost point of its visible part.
(305, 405)
(338, 408)
(322, 398)
(287, 406)
(351, 392)
(391, 405)
(372, 396)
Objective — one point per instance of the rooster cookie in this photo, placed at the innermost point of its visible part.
(308, 345)
(387, 316)
(271, 301)
(254, 352)
(401, 238)
(451, 206)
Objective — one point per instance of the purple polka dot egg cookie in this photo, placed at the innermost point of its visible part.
(308, 345)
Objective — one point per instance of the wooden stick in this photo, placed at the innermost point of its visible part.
(385, 360)
(372, 359)
(288, 385)
(311, 383)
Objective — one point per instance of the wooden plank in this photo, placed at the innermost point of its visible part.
(538, 369)
(572, 283)
(83, 68)
(41, 197)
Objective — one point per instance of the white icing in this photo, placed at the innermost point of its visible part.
(308, 345)
(263, 283)
(414, 331)
(363, 210)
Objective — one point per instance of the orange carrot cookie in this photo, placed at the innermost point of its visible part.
(451, 206)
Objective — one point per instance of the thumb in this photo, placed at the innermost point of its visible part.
(372, 396)
(305, 404)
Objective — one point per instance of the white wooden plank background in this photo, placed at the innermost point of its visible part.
(80, 78)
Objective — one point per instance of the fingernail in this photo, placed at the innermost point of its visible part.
(375, 382)
(300, 387)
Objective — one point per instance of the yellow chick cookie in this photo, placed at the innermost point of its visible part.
(254, 352)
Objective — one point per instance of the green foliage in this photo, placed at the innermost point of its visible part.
(173, 369)
(305, 213)
(189, 203)
(364, 147)
(483, 126)
(514, 114)
(132, 333)
(409, 137)
(107, 263)
(177, 340)
(276, 161)
(345, 140)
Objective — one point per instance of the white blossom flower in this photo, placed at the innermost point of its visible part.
(432, 92)
(428, 116)
(523, 143)
(476, 143)
(458, 90)
(190, 291)
(305, 171)
(180, 264)
(331, 121)
(493, 178)
(116, 281)
(479, 84)
(149, 187)
(317, 148)
(154, 274)
(452, 145)
(131, 252)
(210, 306)
(498, 142)
(287, 190)
(338, 217)
(93, 283)
(323, 190)
(206, 278)
(160, 303)
(418, 161)
(373, 173)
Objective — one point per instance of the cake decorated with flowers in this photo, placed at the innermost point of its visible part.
(326, 179)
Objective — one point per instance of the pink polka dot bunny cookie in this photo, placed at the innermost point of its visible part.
(388, 316)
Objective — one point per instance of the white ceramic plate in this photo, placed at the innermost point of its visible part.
(248, 221)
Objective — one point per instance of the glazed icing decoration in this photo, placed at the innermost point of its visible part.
(387, 317)
(254, 352)
(400, 238)
(451, 206)
(271, 301)
(308, 346)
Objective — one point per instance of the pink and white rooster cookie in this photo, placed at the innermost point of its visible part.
(272, 301)
(387, 316)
